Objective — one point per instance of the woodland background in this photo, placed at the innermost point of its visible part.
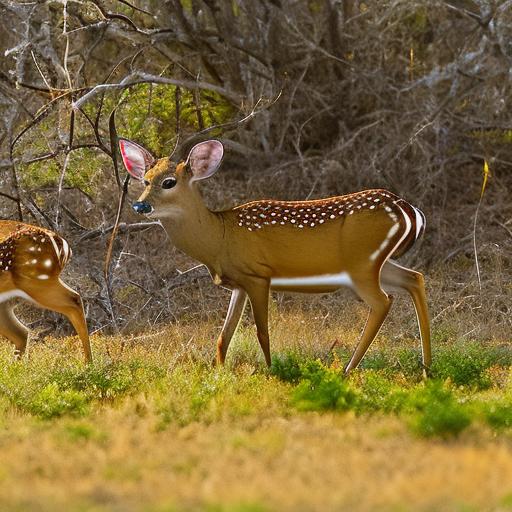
(311, 98)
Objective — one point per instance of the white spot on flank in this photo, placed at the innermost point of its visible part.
(43, 276)
(48, 263)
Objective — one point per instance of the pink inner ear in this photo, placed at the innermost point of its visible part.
(205, 158)
(136, 159)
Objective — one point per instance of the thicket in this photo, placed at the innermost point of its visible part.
(311, 98)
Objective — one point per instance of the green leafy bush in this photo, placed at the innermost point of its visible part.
(498, 415)
(49, 389)
(403, 360)
(437, 412)
(379, 393)
(287, 367)
(465, 364)
(52, 401)
(323, 388)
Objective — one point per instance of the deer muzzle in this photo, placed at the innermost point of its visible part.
(142, 207)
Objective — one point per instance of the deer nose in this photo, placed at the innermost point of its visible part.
(142, 207)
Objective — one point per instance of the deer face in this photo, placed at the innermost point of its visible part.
(169, 185)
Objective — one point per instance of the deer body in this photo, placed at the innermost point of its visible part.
(301, 246)
(31, 260)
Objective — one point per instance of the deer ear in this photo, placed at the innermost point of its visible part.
(204, 159)
(136, 159)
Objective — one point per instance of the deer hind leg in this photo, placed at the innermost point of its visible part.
(57, 296)
(379, 303)
(258, 296)
(394, 276)
(13, 329)
(235, 310)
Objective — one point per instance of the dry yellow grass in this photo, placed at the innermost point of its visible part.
(308, 462)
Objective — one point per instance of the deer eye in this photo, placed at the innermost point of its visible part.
(169, 182)
(146, 183)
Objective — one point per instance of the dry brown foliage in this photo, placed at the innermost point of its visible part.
(408, 95)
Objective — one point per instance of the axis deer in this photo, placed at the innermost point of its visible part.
(298, 246)
(31, 260)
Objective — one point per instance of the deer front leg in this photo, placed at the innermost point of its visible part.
(13, 329)
(58, 296)
(258, 293)
(379, 303)
(235, 310)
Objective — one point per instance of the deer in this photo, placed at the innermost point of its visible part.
(313, 246)
(31, 260)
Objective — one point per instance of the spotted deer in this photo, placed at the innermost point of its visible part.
(299, 246)
(31, 260)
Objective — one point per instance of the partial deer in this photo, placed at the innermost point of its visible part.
(31, 260)
(299, 246)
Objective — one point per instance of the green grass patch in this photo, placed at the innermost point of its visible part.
(322, 388)
(437, 412)
(465, 364)
(498, 414)
(470, 383)
(51, 388)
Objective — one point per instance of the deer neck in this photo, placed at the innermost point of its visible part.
(195, 229)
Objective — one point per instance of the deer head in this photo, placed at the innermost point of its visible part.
(169, 184)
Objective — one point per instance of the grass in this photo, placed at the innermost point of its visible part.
(151, 426)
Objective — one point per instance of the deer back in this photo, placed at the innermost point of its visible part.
(31, 252)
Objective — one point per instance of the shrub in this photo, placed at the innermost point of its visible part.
(465, 364)
(51, 401)
(498, 415)
(323, 388)
(437, 412)
(378, 393)
(287, 367)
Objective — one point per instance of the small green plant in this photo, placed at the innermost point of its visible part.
(323, 388)
(498, 415)
(465, 364)
(403, 360)
(437, 412)
(379, 393)
(52, 402)
(287, 367)
(80, 430)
